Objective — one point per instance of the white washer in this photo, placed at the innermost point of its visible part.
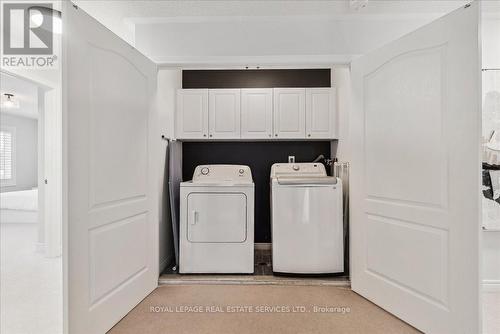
(217, 220)
(307, 228)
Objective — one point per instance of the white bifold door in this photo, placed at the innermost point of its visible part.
(112, 209)
(415, 201)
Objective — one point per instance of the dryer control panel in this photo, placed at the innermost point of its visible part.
(222, 173)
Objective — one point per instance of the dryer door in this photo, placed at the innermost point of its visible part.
(217, 217)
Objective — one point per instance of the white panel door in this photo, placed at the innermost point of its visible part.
(289, 113)
(224, 113)
(192, 114)
(112, 208)
(415, 199)
(321, 113)
(257, 113)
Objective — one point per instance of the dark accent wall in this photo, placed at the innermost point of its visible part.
(272, 78)
(259, 156)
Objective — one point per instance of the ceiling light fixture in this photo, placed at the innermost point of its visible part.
(8, 102)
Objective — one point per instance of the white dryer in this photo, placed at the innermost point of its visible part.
(306, 218)
(217, 220)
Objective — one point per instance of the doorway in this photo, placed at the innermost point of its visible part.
(30, 224)
(114, 204)
(491, 199)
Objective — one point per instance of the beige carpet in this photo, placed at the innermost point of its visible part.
(167, 310)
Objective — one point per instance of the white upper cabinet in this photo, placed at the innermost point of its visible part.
(224, 113)
(257, 113)
(321, 115)
(289, 113)
(192, 113)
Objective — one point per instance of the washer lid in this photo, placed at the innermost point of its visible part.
(303, 169)
(310, 180)
(217, 174)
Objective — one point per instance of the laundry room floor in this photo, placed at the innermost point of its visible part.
(263, 274)
(263, 309)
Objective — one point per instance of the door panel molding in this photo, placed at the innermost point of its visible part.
(126, 104)
(419, 77)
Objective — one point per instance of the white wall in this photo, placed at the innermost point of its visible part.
(26, 148)
(491, 78)
(169, 80)
(41, 170)
(341, 78)
(491, 42)
(268, 40)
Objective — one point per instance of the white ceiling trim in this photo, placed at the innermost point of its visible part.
(253, 61)
(130, 21)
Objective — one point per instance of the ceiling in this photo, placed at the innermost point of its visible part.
(25, 92)
(176, 32)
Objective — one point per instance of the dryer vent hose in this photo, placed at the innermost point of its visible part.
(319, 158)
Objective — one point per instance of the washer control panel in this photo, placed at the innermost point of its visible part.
(222, 173)
(298, 169)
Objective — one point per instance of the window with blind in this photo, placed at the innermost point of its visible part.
(7, 156)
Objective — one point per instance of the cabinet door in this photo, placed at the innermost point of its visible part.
(224, 113)
(192, 113)
(257, 113)
(289, 113)
(321, 113)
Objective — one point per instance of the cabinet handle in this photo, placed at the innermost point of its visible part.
(210, 135)
(276, 135)
(204, 135)
(309, 135)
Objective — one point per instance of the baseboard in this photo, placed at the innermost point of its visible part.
(491, 285)
(262, 246)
